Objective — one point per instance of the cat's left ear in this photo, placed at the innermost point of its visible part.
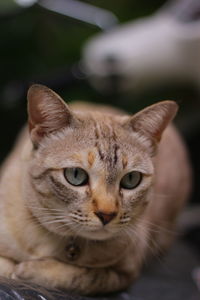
(47, 112)
(152, 121)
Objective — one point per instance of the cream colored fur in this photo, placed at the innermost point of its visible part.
(43, 217)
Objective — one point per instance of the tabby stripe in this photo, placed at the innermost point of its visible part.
(59, 187)
(101, 155)
(39, 191)
(94, 279)
(97, 144)
(64, 193)
(106, 132)
(41, 175)
(124, 162)
(96, 133)
(116, 147)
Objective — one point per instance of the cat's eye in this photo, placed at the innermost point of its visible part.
(131, 180)
(76, 176)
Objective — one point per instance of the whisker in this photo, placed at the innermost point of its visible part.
(44, 208)
(159, 228)
(154, 193)
(142, 236)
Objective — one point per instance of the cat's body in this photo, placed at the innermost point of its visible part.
(92, 237)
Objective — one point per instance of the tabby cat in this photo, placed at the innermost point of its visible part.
(89, 193)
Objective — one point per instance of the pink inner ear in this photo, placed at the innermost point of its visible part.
(37, 98)
(47, 112)
(35, 116)
(153, 120)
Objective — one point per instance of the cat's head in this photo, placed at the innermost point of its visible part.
(90, 173)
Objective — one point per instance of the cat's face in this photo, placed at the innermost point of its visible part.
(90, 174)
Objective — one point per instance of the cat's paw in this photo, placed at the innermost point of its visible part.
(29, 270)
(47, 272)
(7, 267)
(24, 270)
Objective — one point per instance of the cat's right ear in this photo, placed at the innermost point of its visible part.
(151, 122)
(47, 113)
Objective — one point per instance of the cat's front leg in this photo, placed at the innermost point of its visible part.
(7, 267)
(52, 273)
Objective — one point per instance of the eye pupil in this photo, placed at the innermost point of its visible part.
(75, 172)
(76, 176)
(131, 180)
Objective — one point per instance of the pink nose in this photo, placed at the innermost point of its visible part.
(105, 217)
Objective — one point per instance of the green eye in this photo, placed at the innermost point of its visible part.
(76, 176)
(131, 180)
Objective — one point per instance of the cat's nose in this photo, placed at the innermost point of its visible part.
(105, 217)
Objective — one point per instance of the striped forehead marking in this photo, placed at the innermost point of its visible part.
(124, 162)
(106, 143)
(91, 158)
(78, 157)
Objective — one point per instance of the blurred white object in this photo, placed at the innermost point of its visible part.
(78, 10)
(149, 52)
(25, 3)
(81, 11)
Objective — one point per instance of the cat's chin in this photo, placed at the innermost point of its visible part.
(97, 234)
(101, 234)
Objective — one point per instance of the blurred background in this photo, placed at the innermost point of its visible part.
(75, 48)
